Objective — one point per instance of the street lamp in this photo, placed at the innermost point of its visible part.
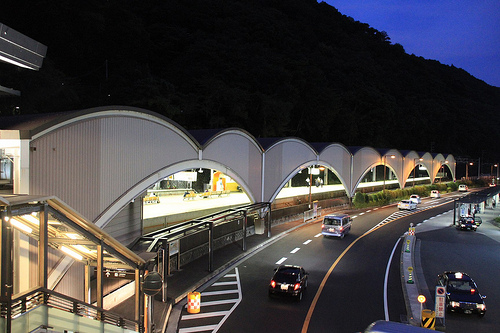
(414, 167)
(467, 169)
(442, 166)
(385, 161)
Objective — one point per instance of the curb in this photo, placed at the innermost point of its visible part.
(410, 290)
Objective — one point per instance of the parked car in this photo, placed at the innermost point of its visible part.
(415, 198)
(288, 280)
(407, 204)
(336, 225)
(467, 223)
(463, 188)
(435, 194)
(462, 294)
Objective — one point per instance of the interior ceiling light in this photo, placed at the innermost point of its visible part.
(21, 226)
(71, 253)
(31, 218)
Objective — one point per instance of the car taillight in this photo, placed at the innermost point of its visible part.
(341, 228)
(273, 283)
(322, 226)
(472, 291)
(297, 286)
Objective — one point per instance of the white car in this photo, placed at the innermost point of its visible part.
(407, 204)
(463, 188)
(415, 198)
(435, 194)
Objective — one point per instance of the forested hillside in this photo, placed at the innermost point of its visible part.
(271, 67)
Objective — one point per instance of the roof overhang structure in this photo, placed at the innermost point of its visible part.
(53, 224)
(479, 196)
(67, 231)
(20, 50)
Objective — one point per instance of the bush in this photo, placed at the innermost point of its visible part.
(359, 199)
(362, 200)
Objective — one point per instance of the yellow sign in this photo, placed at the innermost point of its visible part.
(421, 298)
(410, 269)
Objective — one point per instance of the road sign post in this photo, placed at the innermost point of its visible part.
(421, 300)
(440, 301)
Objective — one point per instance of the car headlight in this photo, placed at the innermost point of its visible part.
(481, 307)
(455, 304)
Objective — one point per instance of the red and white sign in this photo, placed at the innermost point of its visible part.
(440, 306)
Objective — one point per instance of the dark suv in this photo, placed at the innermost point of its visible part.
(288, 280)
(461, 293)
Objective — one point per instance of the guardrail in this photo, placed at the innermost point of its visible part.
(15, 308)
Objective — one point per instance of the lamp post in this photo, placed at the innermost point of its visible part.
(385, 161)
(414, 167)
(442, 166)
(467, 169)
(310, 183)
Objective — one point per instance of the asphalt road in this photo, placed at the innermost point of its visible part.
(475, 253)
(347, 277)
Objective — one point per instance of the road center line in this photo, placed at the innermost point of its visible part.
(279, 262)
(327, 275)
(307, 242)
(295, 250)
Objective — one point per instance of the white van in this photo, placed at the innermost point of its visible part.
(337, 225)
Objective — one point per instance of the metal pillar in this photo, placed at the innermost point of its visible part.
(244, 242)
(88, 273)
(165, 269)
(7, 265)
(137, 296)
(43, 246)
(100, 276)
(210, 246)
(454, 211)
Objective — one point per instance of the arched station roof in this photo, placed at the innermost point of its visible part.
(98, 160)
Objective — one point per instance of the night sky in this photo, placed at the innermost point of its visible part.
(462, 33)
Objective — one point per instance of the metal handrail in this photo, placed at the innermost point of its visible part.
(182, 228)
(32, 298)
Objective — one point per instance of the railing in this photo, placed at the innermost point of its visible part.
(41, 296)
(312, 213)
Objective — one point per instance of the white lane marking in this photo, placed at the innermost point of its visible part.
(205, 315)
(224, 283)
(220, 292)
(240, 296)
(361, 214)
(368, 211)
(214, 314)
(386, 279)
(354, 216)
(198, 329)
(307, 242)
(295, 250)
(224, 301)
(375, 208)
(279, 262)
(316, 236)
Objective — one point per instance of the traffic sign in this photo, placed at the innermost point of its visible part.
(440, 301)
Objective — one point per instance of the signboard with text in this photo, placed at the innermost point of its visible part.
(440, 301)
